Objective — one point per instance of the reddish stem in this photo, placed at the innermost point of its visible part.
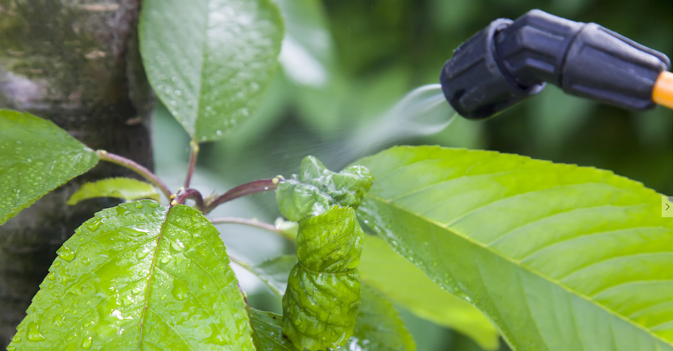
(192, 162)
(184, 195)
(257, 186)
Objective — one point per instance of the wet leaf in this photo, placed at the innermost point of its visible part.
(559, 257)
(122, 188)
(209, 61)
(378, 328)
(36, 156)
(297, 200)
(323, 294)
(316, 188)
(139, 276)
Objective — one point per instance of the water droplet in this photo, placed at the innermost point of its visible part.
(177, 245)
(51, 276)
(180, 291)
(139, 205)
(165, 259)
(86, 344)
(65, 253)
(33, 333)
(11, 348)
(57, 263)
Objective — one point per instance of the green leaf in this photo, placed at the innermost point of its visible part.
(323, 293)
(36, 156)
(347, 187)
(382, 268)
(560, 257)
(274, 272)
(123, 188)
(405, 284)
(316, 188)
(210, 61)
(297, 200)
(139, 276)
(378, 327)
(269, 331)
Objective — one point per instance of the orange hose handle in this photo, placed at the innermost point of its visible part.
(663, 90)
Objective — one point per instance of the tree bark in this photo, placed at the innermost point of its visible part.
(75, 63)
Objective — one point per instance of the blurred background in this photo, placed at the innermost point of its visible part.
(345, 63)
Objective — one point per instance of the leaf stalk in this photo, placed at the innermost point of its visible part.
(142, 171)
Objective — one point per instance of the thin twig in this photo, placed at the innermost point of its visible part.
(245, 221)
(185, 194)
(144, 172)
(252, 223)
(192, 162)
(257, 186)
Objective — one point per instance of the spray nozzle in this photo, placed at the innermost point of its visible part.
(509, 61)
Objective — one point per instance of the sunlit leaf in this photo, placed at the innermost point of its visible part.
(36, 156)
(122, 188)
(378, 328)
(139, 276)
(209, 61)
(559, 257)
(405, 284)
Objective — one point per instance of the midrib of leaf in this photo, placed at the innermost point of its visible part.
(149, 279)
(518, 263)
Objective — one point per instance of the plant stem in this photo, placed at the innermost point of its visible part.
(144, 172)
(257, 186)
(252, 223)
(185, 194)
(192, 162)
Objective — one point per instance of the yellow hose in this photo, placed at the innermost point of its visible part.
(663, 90)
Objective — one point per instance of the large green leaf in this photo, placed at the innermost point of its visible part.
(378, 328)
(404, 283)
(209, 61)
(560, 257)
(36, 156)
(139, 276)
(122, 188)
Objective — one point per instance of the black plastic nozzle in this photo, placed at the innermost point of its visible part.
(509, 61)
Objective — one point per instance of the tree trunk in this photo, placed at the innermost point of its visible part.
(77, 64)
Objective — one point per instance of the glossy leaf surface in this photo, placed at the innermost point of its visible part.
(323, 295)
(406, 285)
(139, 276)
(316, 188)
(560, 257)
(347, 187)
(378, 328)
(209, 61)
(122, 188)
(36, 156)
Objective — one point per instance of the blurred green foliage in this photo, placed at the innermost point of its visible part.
(346, 62)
